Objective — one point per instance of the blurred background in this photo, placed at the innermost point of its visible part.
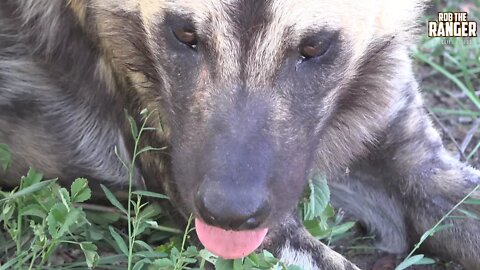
(448, 70)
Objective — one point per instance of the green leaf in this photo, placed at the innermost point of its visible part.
(410, 261)
(91, 255)
(144, 111)
(317, 231)
(29, 190)
(326, 215)
(163, 263)
(319, 197)
(151, 255)
(294, 267)
(31, 178)
(139, 265)
(425, 261)
(65, 197)
(472, 201)
(152, 129)
(119, 240)
(222, 264)
(115, 150)
(151, 211)
(133, 126)
(440, 228)
(33, 210)
(191, 251)
(5, 156)
(148, 149)
(469, 214)
(59, 220)
(144, 245)
(253, 259)
(94, 233)
(9, 264)
(102, 218)
(343, 228)
(8, 209)
(80, 191)
(188, 260)
(113, 200)
(434, 230)
(237, 264)
(269, 258)
(207, 256)
(72, 218)
(150, 194)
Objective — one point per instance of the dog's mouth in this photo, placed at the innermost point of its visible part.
(229, 244)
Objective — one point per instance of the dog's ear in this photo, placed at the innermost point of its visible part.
(366, 21)
(394, 17)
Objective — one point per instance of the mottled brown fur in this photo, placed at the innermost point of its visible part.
(243, 115)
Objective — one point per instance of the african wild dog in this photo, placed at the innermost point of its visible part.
(252, 95)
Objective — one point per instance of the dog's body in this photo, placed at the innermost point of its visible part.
(248, 96)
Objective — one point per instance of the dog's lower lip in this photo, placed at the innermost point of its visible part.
(229, 244)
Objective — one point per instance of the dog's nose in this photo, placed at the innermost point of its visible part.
(232, 212)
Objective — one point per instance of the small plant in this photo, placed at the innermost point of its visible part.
(138, 213)
(264, 260)
(453, 60)
(181, 257)
(38, 223)
(420, 259)
(454, 75)
(31, 215)
(319, 216)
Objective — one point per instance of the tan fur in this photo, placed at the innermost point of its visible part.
(369, 121)
(363, 21)
(107, 74)
(79, 8)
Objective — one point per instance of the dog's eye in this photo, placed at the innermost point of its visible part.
(312, 51)
(187, 37)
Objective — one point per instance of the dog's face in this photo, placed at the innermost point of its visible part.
(247, 102)
(247, 95)
(251, 91)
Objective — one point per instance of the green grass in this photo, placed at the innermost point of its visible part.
(37, 226)
(456, 62)
(42, 221)
(455, 73)
(420, 259)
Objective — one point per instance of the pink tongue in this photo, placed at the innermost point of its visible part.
(229, 244)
